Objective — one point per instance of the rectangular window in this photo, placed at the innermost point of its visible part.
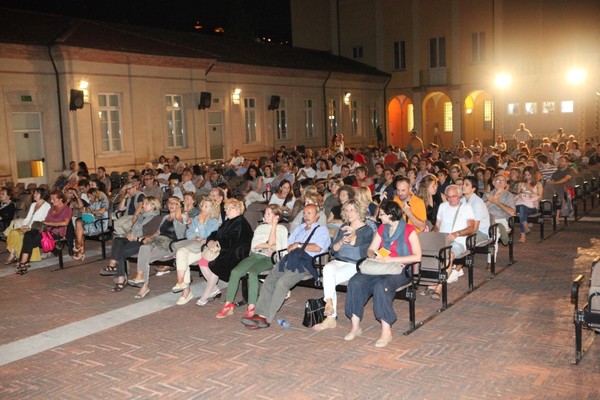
(448, 117)
(530, 108)
(488, 115)
(250, 119)
(282, 132)
(478, 47)
(513, 109)
(400, 55)
(332, 117)
(174, 117)
(567, 106)
(437, 52)
(309, 119)
(354, 117)
(109, 112)
(357, 52)
(548, 107)
(375, 122)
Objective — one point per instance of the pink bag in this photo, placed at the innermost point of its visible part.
(48, 242)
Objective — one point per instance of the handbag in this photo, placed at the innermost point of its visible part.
(210, 254)
(47, 243)
(528, 200)
(299, 260)
(373, 267)
(314, 312)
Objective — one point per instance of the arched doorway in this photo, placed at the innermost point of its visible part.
(400, 121)
(478, 118)
(438, 126)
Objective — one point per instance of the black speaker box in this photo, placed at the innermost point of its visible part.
(274, 102)
(76, 101)
(205, 99)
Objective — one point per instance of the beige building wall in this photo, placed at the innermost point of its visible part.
(143, 81)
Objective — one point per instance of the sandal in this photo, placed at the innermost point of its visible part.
(109, 270)
(119, 286)
(435, 296)
(22, 268)
(427, 292)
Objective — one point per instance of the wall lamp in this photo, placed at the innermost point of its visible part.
(235, 97)
(347, 98)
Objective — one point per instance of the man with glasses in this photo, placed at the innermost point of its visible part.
(152, 187)
(387, 185)
(131, 201)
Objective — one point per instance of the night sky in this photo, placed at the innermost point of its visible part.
(243, 19)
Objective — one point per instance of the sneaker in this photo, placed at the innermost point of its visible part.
(226, 310)
(453, 277)
(161, 273)
(460, 272)
(184, 300)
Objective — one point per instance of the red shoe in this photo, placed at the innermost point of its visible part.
(249, 312)
(226, 310)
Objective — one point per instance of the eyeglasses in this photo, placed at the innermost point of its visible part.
(499, 180)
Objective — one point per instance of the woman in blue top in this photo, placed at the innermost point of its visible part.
(98, 208)
(189, 251)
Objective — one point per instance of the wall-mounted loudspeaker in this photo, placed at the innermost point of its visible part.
(76, 101)
(274, 102)
(205, 99)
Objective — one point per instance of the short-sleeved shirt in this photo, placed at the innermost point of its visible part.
(446, 217)
(507, 198)
(480, 212)
(417, 206)
(321, 237)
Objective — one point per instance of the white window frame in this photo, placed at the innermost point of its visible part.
(332, 119)
(309, 119)
(357, 52)
(513, 109)
(112, 139)
(437, 52)
(548, 107)
(399, 55)
(354, 118)
(567, 106)
(250, 119)
(530, 108)
(448, 121)
(176, 137)
(478, 47)
(282, 123)
(488, 115)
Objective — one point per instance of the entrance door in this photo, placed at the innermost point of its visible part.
(27, 132)
(215, 134)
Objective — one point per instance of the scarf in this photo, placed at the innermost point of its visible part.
(398, 236)
(138, 226)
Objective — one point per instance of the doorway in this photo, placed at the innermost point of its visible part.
(215, 134)
(29, 145)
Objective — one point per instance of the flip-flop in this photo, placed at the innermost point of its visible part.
(426, 292)
(435, 296)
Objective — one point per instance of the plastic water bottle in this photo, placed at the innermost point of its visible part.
(283, 323)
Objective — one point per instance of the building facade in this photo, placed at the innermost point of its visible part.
(466, 69)
(146, 92)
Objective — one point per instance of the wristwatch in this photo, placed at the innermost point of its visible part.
(298, 246)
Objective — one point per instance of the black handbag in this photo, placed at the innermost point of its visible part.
(314, 312)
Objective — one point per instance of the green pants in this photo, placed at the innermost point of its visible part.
(252, 265)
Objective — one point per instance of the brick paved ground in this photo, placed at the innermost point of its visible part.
(511, 338)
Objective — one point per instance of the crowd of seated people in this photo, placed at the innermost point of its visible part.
(352, 201)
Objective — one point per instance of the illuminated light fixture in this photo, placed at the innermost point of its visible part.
(469, 111)
(83, 86)
(235, 97)
(503, 80)
(197, 25)
(576, 75)
(219, 30)
(347, 98)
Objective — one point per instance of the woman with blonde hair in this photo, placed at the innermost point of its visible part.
(431, 197)
(232, 237)
(145, 224)
(190, 251)
(268, 238)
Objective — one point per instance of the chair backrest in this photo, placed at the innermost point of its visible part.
(432, 242)
(594, 295)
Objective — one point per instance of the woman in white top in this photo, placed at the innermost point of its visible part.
(284, 197)
(37, 212)
(323, 171)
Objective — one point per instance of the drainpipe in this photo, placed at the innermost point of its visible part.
(325, 116)
(385, 110)
(59, 99)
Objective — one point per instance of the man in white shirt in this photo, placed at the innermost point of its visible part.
(522, 135)
(481, 220)
(307, 171)
(458, 221)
